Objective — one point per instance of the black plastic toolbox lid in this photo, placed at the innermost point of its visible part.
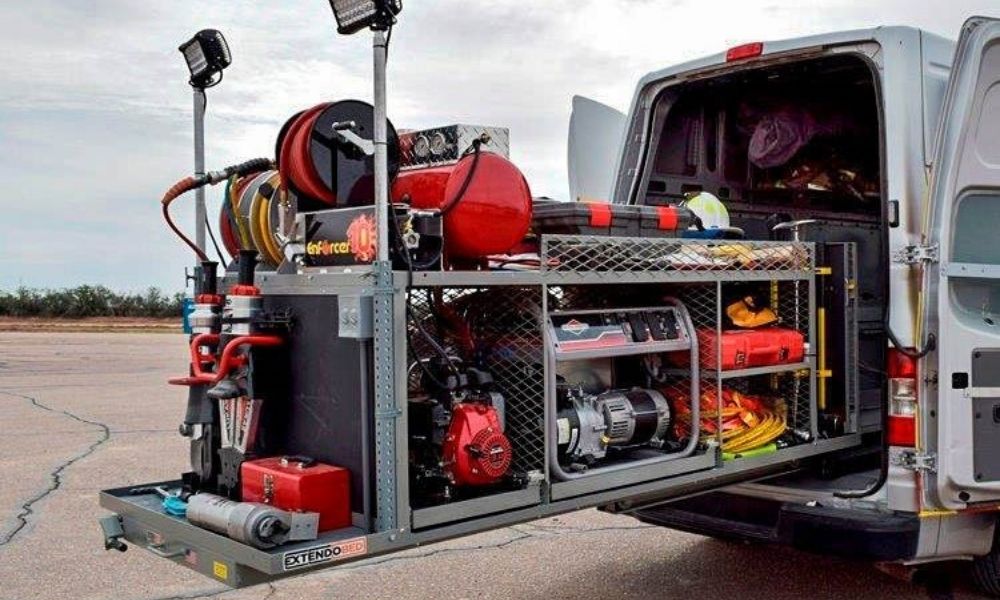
(603, 218)
(665, 221)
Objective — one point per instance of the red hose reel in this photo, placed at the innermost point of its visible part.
(316, 163)
(484, 198)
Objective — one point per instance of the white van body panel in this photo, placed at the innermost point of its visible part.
(910, 65)
(595, 132)
(961, 414)
(912, 70)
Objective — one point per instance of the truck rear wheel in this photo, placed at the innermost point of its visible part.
(986, 569)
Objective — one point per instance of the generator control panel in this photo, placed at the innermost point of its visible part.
(618, 332)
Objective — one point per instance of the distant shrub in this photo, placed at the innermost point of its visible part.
(88, 301)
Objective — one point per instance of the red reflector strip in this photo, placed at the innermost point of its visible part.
(600, 214)
(666, 217)
(902, 431)
(745, 51)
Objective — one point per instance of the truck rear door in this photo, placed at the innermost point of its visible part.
(960, 429)
(595, 134)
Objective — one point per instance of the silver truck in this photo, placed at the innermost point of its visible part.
(859, 168)
(925, 485)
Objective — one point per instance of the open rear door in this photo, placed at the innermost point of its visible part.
(595, 133)
(961, 430)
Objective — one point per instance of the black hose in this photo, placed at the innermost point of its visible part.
(215, 244)
(447, 208)
(197, 181)
(433, 343)
(929, 345)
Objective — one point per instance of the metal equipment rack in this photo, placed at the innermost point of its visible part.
(578, 273)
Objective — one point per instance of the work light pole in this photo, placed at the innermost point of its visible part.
(199, 167)
(381, 150)
(387, 423)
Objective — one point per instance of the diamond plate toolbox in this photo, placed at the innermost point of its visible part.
(446, 145)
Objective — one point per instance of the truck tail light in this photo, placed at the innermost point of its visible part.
(745, 51)
(902, 425)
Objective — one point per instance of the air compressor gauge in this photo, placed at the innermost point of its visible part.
(439, 144)
(421, 146)
(446, 145)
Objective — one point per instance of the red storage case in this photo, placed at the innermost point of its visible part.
(747, 348)
(300, 484)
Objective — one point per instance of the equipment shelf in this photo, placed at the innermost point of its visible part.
(510, 310)
(751, 372)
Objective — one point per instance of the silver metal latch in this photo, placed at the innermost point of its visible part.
(908, 459)
(917, 254)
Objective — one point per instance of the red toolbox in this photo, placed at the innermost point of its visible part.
(746, 348)
(298, 483)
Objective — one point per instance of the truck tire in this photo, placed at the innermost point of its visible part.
(986, 569)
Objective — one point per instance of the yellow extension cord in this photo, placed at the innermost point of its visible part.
(245, 242)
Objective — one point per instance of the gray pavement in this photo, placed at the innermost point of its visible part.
(83, 412)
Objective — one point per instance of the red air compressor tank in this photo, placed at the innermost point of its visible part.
(490, 217)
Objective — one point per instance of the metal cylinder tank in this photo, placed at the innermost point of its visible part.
(487, 213)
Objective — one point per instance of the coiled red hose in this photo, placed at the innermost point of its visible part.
(184, 185)
(295, 160)
(196, 181)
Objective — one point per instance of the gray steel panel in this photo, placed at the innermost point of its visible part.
(971, 270)
(143, 513)
(807, 364)
(317, 284)
(477, 507)
(387, 411)
(607, 481)
(986, 416)
(457, 139)
(145, 509)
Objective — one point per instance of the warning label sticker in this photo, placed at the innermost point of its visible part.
(298, 559)
(562, 431)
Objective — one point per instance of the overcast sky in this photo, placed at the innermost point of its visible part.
(95, 108)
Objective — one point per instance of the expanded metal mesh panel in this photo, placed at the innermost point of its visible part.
(794, 388)
(499, 327)
(677, 391)
(574, 254)
(788, 393)
(792, 305)
(790, 301)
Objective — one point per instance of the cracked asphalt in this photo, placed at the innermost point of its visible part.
(88, 411)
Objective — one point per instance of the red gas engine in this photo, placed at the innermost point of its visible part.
(457, 440)
(476, 451)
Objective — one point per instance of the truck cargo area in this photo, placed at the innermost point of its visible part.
(797, 139)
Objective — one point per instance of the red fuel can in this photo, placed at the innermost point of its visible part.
(297, 483)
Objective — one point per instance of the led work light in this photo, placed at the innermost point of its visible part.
(355, 15)
(207, 54)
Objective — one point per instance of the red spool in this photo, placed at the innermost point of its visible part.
(295, 162)
(229, 241)
(491, 217)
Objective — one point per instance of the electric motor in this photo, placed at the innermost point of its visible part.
(592, 424)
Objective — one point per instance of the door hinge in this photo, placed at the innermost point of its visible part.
(916, 254)
(910, 459)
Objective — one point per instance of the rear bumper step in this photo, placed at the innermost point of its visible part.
(850, 533)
